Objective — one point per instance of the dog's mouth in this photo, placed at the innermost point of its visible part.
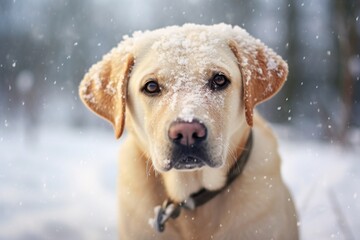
(189, 163)
(190, 158)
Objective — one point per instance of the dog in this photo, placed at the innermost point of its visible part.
(198, 161)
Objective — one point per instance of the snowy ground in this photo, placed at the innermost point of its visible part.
(62, 185)
(325, 182)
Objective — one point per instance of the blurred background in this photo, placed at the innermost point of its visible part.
(58, 160)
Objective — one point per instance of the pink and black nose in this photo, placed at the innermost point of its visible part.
(187, 133)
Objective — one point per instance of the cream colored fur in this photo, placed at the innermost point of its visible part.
(257, 205)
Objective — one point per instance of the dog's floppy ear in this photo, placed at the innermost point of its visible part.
(103, 89)
(263, 72)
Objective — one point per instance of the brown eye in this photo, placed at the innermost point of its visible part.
(218, 82)
(151, 88)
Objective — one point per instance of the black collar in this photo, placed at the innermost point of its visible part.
(171, 209)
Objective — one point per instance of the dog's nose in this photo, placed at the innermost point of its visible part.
(187, 133)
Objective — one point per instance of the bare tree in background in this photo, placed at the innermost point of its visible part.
(348, 40)
(293, 48)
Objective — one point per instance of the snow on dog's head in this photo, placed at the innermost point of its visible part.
(185, 89)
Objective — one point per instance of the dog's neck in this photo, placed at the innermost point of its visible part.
(180, 185)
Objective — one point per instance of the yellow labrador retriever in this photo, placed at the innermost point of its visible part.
(197, 161)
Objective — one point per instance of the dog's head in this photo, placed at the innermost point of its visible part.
(185, 90)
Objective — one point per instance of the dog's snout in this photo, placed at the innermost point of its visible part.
(187, 133)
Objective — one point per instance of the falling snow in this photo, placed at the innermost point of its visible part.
(57, 176)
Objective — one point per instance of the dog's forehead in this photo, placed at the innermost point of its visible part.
(183, 52)
(177, 39)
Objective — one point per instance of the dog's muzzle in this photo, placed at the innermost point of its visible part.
(189, 148)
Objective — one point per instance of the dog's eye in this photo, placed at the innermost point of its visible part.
(151, 88)
(219, 82)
